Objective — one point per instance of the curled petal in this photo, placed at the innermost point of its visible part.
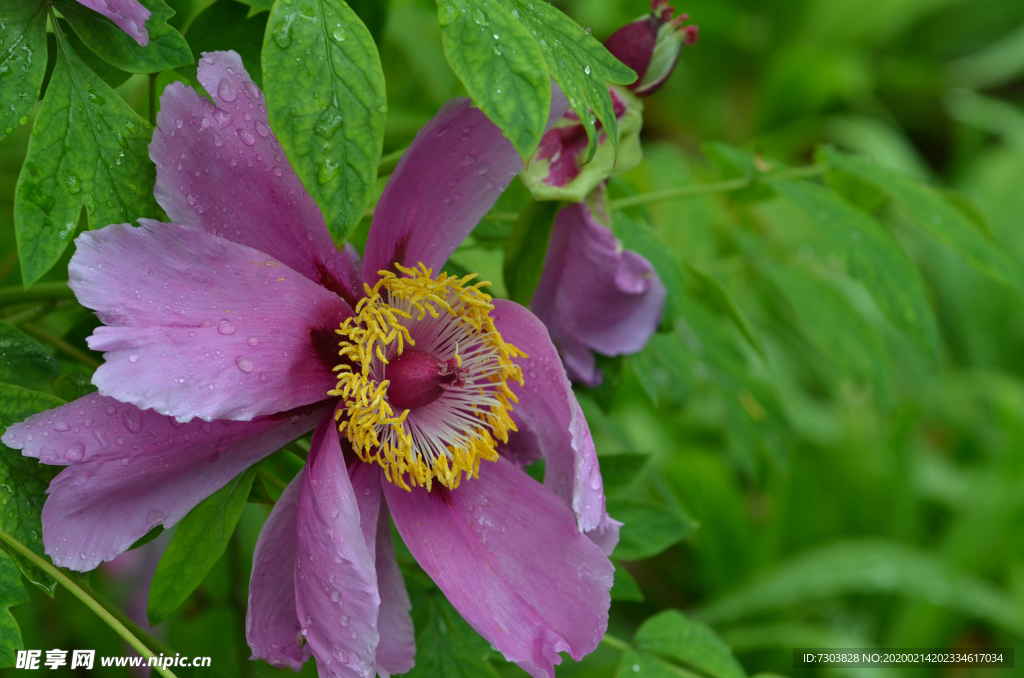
(132, 470)
(129, 15)
(198, 326)
(335, 579)
(271, 623)
(396, 652)
(507, 554)
(549, 419)
(593, 293)
(220, 168)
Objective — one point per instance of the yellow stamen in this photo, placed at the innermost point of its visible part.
(381, 323)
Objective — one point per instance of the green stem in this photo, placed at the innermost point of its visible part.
(617, 643)
(16, 294)
(57, 342)
(718, 186)
(134, 627)
(89, 602)
(32, 313)
(152, 99)
(8, 264)
(389, 161)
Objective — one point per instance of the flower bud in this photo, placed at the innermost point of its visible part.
(651, 46)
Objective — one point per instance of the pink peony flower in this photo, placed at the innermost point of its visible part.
(240, 327)
(129, 15)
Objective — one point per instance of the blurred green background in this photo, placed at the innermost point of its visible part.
(797, 471)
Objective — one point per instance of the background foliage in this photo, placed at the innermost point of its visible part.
(824, 446)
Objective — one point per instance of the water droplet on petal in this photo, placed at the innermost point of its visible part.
(224, 327)
(226, 91)
(75, 452)
(132, 420)
(243, 364)
(247, 137)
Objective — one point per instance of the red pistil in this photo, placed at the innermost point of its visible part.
(418, 379)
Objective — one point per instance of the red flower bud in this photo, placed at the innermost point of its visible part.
(651, 46)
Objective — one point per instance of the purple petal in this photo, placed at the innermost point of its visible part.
(633, 44)
(271, 622)
(507, 553)
(335, 581)
(549, 418)
(397, 649)
(199, 326)
(448, 179)
(129, 15)
(132, 470)
(592, 292)
(220, 168)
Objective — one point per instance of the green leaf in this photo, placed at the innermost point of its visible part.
(500, 64)
(625, 587)
(23, 362)
(873, 257)
(527, 248)
(647, 530)
(496, 46)
(327, 104)
(735, 163)
(222, 26)
(23, 481)
(671, 634)
(199, 542)
(88, 148)
(617, 470)
(148, 537)
(166, 49)
(580, 65)
(663, 369)
(446, 646)
(22, 62)
(715, 295)
(937, 216)
(832, 325)
(11, 593)
(639, 664)
(111, 75)
(867, 566)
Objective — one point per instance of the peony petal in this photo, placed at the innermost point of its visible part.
(271, 623)
(153, 472)
(449, 178)
(220, 168)
(507, 553)
(199, 326)
(335, 581)
(396, 652)
(548, 416)
(593, 293)
(129, 15)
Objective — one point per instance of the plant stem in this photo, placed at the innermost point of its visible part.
(8, 264)
(389, 161)
(32, 313)
(16, 294)
(719, 186)
(133, 626)
(60, 344)
(89, 602)
(617, 643)
(152, 99)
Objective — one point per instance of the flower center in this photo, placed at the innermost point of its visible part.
(434, 411)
